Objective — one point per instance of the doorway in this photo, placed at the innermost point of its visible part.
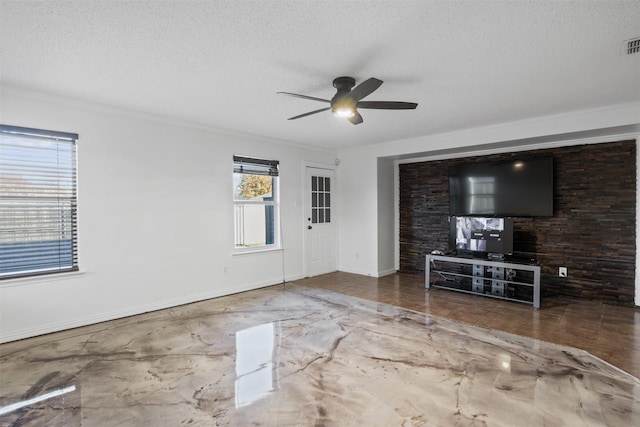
(320, 221)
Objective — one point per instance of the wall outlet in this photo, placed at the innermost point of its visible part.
(562, 271)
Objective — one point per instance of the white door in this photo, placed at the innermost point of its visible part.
(320, 221)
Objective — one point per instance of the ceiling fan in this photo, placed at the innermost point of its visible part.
(346, 101)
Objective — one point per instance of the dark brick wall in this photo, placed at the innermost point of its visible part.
(592, 231)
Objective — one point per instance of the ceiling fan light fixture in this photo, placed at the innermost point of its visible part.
(345, 112)
(348, 99)
(344, 107)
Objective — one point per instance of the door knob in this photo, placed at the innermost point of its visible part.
(309, 227)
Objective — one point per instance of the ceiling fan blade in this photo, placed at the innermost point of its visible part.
(365, 88)
(309, 113)
(304, 96)
(356, 119)
(387, 105)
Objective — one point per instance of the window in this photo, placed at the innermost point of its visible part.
(320, 199)
(255, 199)
(38, 203)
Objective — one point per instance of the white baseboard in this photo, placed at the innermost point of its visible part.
(132, 311)
(386, 272)
(295, 277)
(361, 273)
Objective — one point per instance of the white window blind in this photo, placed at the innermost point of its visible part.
(38, 202)
(248, 165)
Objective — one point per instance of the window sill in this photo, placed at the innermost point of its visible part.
(19, 281)
(252, 251)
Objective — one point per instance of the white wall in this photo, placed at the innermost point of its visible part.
(155, 216)
(362, 220)
(386, 217)
(358, 217)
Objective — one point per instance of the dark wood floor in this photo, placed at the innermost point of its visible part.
(609, 332)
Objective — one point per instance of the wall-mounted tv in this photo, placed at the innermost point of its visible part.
(517, 188)
(479, 234)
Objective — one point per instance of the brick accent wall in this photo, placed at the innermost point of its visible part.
(592, 231)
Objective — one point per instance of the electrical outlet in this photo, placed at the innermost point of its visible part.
(562, 271)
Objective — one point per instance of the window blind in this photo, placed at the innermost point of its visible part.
(254, 166)
(38, 202)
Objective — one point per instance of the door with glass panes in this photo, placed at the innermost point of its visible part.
(320, 218)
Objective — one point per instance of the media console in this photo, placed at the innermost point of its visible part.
(512, 281)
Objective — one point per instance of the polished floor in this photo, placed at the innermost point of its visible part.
(300, 355)
(610, 332)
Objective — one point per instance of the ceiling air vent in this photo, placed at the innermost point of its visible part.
(633, 46)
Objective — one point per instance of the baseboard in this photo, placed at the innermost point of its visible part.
(132, 311)
(295, 277)
(386, 272)
(378, 274)
(361, 273)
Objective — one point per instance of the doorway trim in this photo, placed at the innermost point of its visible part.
(306, 191)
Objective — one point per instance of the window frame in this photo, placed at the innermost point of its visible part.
(275, 203)
(64, 217)
(321, 197)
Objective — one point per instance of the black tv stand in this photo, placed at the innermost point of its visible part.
(512, 281)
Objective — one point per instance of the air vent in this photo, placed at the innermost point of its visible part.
(633, 46)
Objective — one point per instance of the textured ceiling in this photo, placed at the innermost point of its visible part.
(220, 63)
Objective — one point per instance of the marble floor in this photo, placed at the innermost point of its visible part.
(610, 332)
(295, 355)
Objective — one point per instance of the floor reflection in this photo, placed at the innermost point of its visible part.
(58, 407)
(32, 401)
(256, 363)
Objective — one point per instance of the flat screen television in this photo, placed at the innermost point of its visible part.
(481, 234)
(519, 188)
